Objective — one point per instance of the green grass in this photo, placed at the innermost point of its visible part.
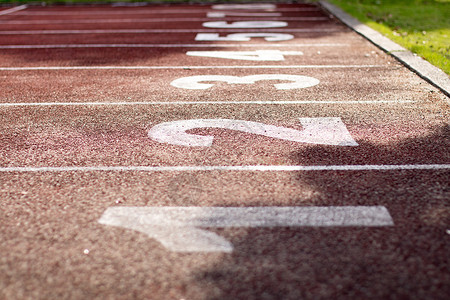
(422, 26)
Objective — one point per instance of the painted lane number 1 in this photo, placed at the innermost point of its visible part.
(182, 229)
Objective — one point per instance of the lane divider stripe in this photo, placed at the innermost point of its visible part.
(248, 168)
(165, 46)
(201, 103)
(145, 11)
(154, 20)
(189, 67)
(97, 31)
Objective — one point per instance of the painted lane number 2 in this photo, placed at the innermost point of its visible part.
(324, 131)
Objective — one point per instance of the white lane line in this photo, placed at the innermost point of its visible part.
(166, 46)
(107, 31)
(190, 67)
(141, 11)
(44, 104)
(176, 228)
(248, 168)
(12, 10)
(147, 20)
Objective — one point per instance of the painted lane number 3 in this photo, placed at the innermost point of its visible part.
(296, 81)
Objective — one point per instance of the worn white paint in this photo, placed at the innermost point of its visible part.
(193, 82)
(245, 168)
(177, 228)
(323, 131)
(249, 6)
(244, 37)
(223, 14)
(245, 24)
(257, 55)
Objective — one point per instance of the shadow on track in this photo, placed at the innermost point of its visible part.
(407, 260)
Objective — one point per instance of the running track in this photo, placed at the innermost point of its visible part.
(216, 152)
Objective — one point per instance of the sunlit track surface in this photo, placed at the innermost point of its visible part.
(229, 151)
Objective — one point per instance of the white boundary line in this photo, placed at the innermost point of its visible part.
(12, 10)
(249, 168)
(218, 30)
(166, 46)
(43, 104)
(156, 20)
(146, 11)
(188, 67)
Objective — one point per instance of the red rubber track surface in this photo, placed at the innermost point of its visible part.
(52, 244)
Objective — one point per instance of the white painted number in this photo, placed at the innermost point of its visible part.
(244, 37)
(193, 82)
(256, 6)
(177, 228)
(324, 131)
(258, 55)
(245, 24)
(223, 14)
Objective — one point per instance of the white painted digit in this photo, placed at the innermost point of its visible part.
(223, 14)
(244, 37)
(245, 24)
(182, 229)
(322, 131)
(193, 82)
(258, 55)
(256, 6)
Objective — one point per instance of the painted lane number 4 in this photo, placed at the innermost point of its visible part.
(257, 55)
